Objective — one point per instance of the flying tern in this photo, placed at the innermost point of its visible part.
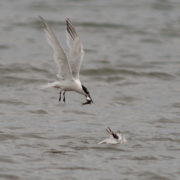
(68, 70)
(115, 138)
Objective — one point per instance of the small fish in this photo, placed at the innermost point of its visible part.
(88, 101)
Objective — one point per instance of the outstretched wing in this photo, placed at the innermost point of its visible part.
(112, 133)
(75, 49)
(64, 70)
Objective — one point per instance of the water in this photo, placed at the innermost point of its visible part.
(132, 70)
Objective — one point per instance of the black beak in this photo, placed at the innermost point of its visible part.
(88, 98)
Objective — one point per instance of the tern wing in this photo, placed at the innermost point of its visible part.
(75, 49)
(64, 70)
(114, 135)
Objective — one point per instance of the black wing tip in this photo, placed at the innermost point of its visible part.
(41, 18)
(68, 20)
(68, 23)
(109, 130)
(71, 29)
(43, 21)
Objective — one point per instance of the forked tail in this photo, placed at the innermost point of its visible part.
(55, 84)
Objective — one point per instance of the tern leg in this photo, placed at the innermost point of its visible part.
(64, 99)
(60, 96)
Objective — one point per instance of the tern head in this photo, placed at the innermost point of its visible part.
(87, 94)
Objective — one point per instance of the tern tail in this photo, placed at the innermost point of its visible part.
(55, 84)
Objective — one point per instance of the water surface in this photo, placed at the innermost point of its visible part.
(132, 70)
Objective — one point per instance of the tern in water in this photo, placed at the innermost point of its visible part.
(115, 138)
(68, 71)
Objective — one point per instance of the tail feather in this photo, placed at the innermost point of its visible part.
(102, 142)
(49, 85)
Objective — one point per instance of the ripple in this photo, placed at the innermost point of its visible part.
(80, 148)
(109, 147)
(176, 105)
(104, 25)
(142, 158)
(159, 75)
(40, 111)
(79, 168)
(167, 157)
(11, 80)
(13, 68)
(125, 100)
(113, 79)
(8, 176)
(152, 175)
(12, 102)
(173, 149)
(6, 159)
(2, 46)
(165, 121)
(34, 135)
(100, 71)
(114, 71)
(151, 40)
(38, 6)
(15, 73)
(162, 5)
(79, 112)
(55, 151)
(165, 139)
(64, 137)
(37, 24)
(136, 66)
(20, 68)
(5, 136)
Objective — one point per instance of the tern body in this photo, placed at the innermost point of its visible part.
(67, 85)
(114, 138)
(68, 70)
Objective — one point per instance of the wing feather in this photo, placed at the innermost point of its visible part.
(112, 133)
(75, 49)
(64, 69)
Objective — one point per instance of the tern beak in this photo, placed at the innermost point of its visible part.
(89, 99)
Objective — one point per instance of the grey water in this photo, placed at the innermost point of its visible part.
(132, 70)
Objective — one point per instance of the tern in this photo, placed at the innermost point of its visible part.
(68, 71)
(115, 138)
